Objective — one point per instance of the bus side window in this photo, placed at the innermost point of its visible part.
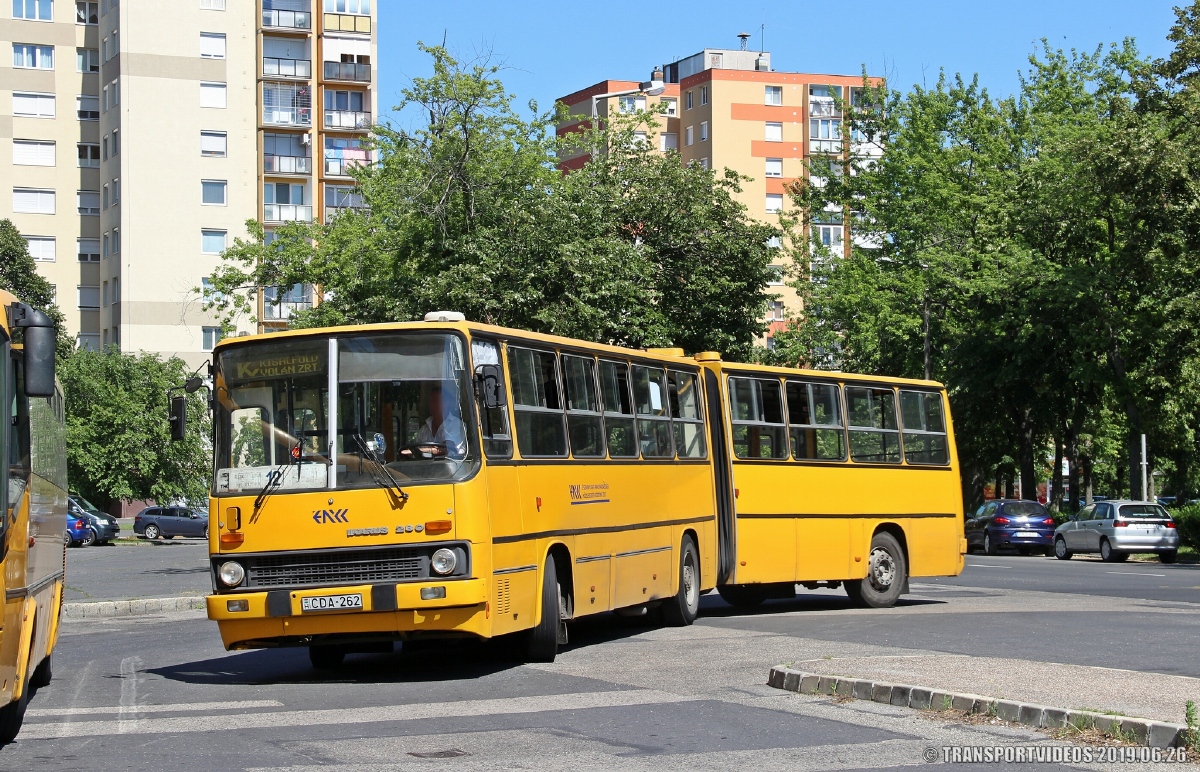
(815, 421)
(250, 428)
(757, 411)
(924, 427)
(874, 433)
(687, 420)
(618, 410)
(536, 404)
(654, 419)
(585, 427)
(497, 441)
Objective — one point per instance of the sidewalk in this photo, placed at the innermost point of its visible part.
(1143, 695)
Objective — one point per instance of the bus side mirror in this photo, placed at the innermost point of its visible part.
(178, 418)
(39, 344)
(491, 382)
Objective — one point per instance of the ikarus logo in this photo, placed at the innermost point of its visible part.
(331, 516)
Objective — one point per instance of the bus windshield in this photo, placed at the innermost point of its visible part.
(402, 403)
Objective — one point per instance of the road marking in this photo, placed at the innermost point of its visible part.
(178, 707)
(981, 565)
(1133, 573)
(344, 717)
(129, 683)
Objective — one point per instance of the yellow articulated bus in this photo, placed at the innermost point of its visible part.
(34, 510)
(471, 480)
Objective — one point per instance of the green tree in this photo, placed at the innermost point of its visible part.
(118, 438)
(19, 275)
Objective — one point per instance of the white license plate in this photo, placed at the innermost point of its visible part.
(1144, 526)
(353, 602)
(1026, 534)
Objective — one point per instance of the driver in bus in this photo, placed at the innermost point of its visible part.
(443, 427)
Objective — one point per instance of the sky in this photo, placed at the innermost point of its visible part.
(552, 49)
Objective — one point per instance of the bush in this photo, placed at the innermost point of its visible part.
(1187, 520)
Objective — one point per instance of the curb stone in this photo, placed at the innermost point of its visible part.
(1156, 734)
(131, 608)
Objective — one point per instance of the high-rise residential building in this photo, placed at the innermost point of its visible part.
(730, 109)
(168, 126)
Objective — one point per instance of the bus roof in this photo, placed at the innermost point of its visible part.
(472, 328)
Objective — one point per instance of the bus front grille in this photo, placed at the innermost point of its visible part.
(336, 567)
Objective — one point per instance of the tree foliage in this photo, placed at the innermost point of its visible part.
(19, 275)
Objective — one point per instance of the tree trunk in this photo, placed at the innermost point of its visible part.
(928, 343)
(1010, 488)
(1056, 479)
(1069, 447)
(1133, 424)
(1025, 458)
(997, 491)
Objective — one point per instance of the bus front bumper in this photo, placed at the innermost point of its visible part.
(278, 617)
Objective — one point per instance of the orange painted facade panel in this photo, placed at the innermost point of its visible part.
(780, 113)
(760, 148)
(779, 184)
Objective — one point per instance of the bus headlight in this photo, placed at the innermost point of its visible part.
(231, 574)
(443, 561)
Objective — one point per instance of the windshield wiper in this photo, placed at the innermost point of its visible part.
(379, 462)
(275, 479)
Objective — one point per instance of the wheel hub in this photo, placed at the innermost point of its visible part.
(883, 569)
(689, 584)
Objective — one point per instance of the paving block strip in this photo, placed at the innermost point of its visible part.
(1156, 734)
(129, 608)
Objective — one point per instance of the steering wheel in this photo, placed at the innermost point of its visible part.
(423, 450)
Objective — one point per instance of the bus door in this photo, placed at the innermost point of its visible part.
(723, 478)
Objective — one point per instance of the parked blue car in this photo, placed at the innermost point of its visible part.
(1024, 525)
(78, 533)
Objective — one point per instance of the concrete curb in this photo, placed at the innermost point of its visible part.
(1156, 734)
(129, 608)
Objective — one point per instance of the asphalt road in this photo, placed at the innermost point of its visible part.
(142, 569)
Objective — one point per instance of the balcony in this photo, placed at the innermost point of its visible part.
(833, 146)
(287, 68)
(287, 116)
(348, 71)
(297, 20)
(286, 213)
(344, 22)
(823, 108)
(331, 212)
(287, 164)
(347, 119)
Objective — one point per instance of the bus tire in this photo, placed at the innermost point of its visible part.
(41, 674)
(681, 610)
(541, 643)
(326, 657)
(742, 595)
(887, 573)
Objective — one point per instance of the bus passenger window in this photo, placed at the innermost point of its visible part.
(536, 403)
(924, 428)
(757, 408)
(874, 435)
(618, 410)
(685, 412)
(497, 441)
(654, 422)
(815, 422)
(584, 427)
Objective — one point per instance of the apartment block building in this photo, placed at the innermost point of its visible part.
(169, 126)
(728, 108)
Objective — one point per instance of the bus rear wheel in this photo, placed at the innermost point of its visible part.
(541, 644)
(681, 610)
(886, 571)
(12, 716)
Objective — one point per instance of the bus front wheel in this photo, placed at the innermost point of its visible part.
(681, 610)
(886, 571)
(542, 642)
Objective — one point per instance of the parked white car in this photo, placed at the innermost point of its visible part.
(1117, 529)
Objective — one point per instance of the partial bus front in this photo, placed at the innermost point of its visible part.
(336, 522)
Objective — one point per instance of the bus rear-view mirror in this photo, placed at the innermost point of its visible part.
(491, 384)
(178, 418)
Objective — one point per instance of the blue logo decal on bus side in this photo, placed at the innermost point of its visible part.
(330, 516)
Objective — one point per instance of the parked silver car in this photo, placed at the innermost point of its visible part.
(1117, 529)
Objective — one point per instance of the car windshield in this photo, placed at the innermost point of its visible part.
(84, 504)
(1143, 510)
(401, 409)
(1024, 508)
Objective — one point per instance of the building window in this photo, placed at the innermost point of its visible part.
(774, 95)
(107, 245)
(668, 141)
(212, 192)
(212, 45)
(774, 203)
(33, 10)
(688, 100)
(825, 135)
(106, 6)
(687, 136)
(30, 105)
(88, 250)
(631, 104)
(672, 107)
(212, 242)
(287, 103)
(89, 155)
(829, 236)
(775, 311)
(115, 185)
(87, 13)
(109, 46)
(774, 132)
(360, 7)
(209, 337)
(342, 154)
(87, 60)
(775, 242)
(104, 294)
(41, 248)
(87, 108)
(32, 152)
(33, 57)
(774, 167)
(115, 148)
(776, 277)
(112, 96)
(704, 95)
(704, 163)
(89, 296)
(33, 201)
(343, 197)
(703, 131)
(89, 202)
(212, 5)
(346, 109)
(116, 241)
(212, 95)
(104, 147)
(213, 144)
(116, 286)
